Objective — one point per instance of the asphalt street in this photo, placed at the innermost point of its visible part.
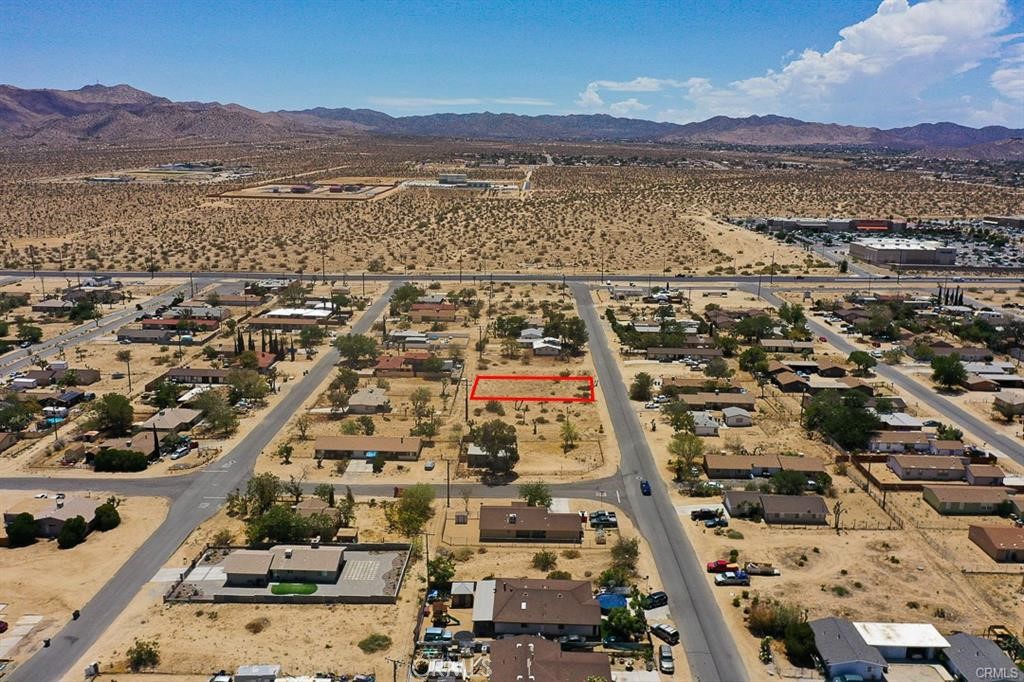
(710, 648)
(202, 498)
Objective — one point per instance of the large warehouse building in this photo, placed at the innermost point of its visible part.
(902, 252)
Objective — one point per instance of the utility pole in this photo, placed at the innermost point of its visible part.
(465, 380)
(394, 667)
(771, 276)
(448, 482)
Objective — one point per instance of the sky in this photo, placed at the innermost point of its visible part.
(883, 63)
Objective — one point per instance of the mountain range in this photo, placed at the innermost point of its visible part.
(99, 114)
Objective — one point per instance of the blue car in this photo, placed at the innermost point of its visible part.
(645, 487)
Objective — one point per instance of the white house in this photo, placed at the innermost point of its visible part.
(737, 416)
(548, 346)
(705, 424)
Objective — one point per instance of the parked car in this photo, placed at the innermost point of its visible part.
(722, 566)
(655, 599)
(665, 633)
(604, 519)
(704, 513)
(574, 642)
(429, 465)
(720, 522)
(666, 663)
(645, 487)
(732, 578)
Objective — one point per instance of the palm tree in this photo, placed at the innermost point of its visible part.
(125, 356)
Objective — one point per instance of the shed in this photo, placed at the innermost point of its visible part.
(462, 594)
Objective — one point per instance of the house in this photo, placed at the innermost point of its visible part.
(528, 657)
(742, 503)
(789, 382)
(195, 376)
(173, 419)
(704, 424)
(974, 659)
(926, 467)
(899, 421)
(1009, 403)
(950, 448)
(816, 384)
(405, 448)
(528, 335)
(844, 652)
(899, 441)
(145, 442)
(964, 499)
(132, 335)
(53, 306)
(257, 673)
(524, 523)
(966, 353)
(984, 474)
(51, 513)
(241, 300)
(201, 311)
(717, 401)
(808, 466)
(802, 509)
(476, 458)
(1004, 544)
(433, 312)
(736, 417)
(663, 354)
(74, 376)
(831, 368)
(282, 323)
(283, 563)
(727, 466)
(977, 382)
(312, 506)
(392, 366)
(547, 347)
(181, 324)
(533, 606)
(786, 346)
(697, 385)
(371, 400)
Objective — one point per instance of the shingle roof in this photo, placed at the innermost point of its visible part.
(838, 641)
(549, 602)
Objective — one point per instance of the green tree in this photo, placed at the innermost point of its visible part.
(685, 448)
(114, 413)
(717, 368)
(624, 623)
(412, 510)
(755, 327)
(569, 434)
(22, 530)
(277, 524)
(404, 296)
(354, 348)
(863, 361)
(83, 311)
(678, 415)
(498, 441)
(30, 333)
(844, 267)
(752, 357)
(544, 560)
(113, 459)
(217, 412)
(626, 553)
(536, 494)
(509, 326)
(143, 654)
(247, 384)
(948, 371)
(325, 491)
(642, 386)
(844, 418)
(72, 533)
(248, 360)
(284, 453)
(793, 314)
(727, 344)
(262, 492)
(799, 640)
(366, 424)
(788, 482)
(420, 400)
(346, 379)
(107, 517)
(311, 336)
(166, 394)
(440, 570)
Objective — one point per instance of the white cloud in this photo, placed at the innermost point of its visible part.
(628, 106)
(886, 67)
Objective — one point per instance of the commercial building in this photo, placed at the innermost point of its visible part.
(902, 252)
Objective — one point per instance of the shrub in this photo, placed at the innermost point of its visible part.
(257, 626)
(544, 560)
(559, 575)
(733, 534)
(571, 553)
(72, 533)
(800, 647)
(771, 618)
(374, 643)
(143, 654)
(840, 591)
(120, 460)
(22, 530)
(223, 538)
(107, 517)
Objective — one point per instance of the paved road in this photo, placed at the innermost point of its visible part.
(942, 406)
(710, 648)
(193, 505)
(21, 358)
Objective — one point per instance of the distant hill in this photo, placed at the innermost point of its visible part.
(119, 113)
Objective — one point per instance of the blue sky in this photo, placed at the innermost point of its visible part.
(861, 62)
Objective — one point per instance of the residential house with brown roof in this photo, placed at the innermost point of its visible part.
(519, 522)
(779, 509)
(1004, 544)
(51, 512)
(964, 499)
(718, 401)
(528, 658)
(984, 474)
(539, 607)
(666, 354)
(404, 448)
(926, 467)
(433, 312)
(790, 382)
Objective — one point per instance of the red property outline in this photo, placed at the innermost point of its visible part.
(532, 377)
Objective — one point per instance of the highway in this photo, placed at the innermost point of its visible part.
(710, 648)
(194, 504)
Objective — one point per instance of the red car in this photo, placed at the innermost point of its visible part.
(822, 339)
(3, 627)
(721, 566)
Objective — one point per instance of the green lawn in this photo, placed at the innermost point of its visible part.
(293, 588)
